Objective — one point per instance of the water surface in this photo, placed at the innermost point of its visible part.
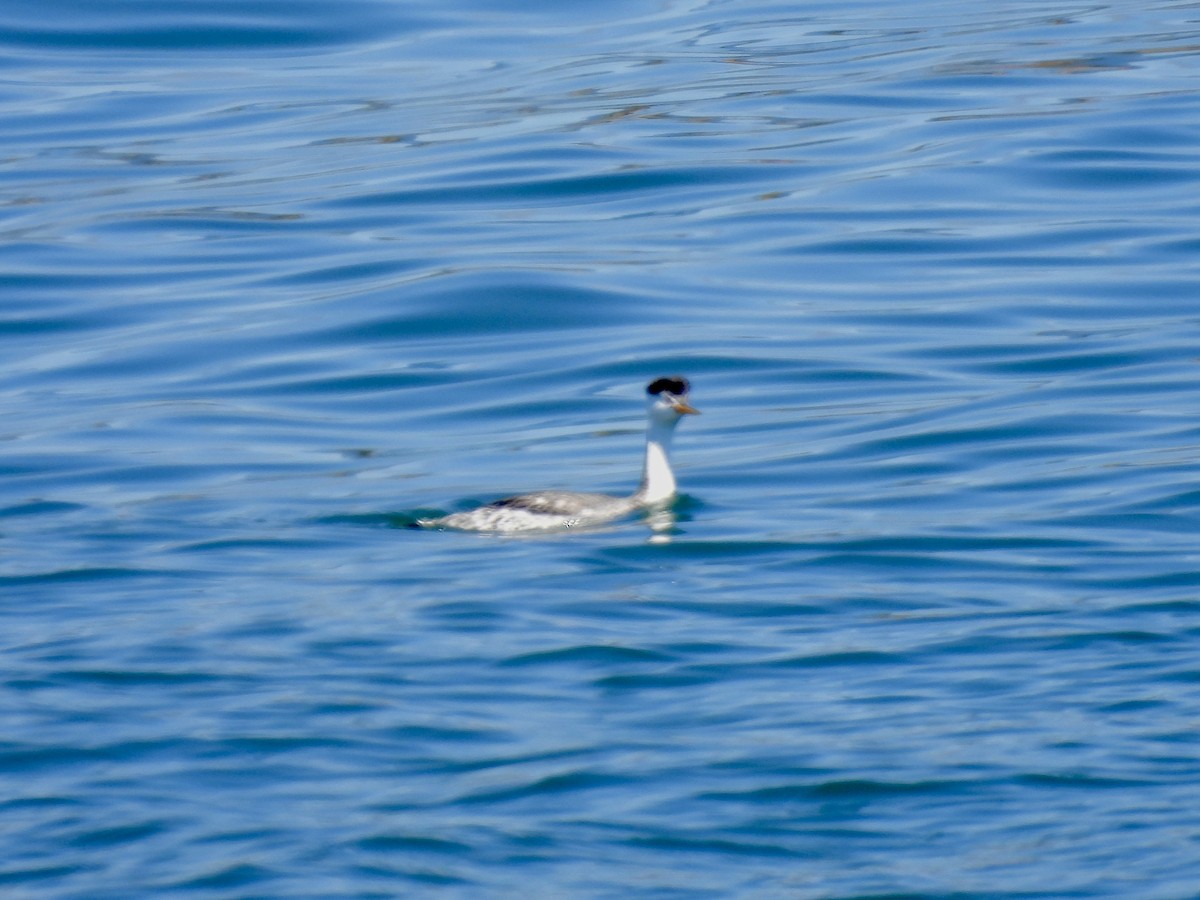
(280, 277)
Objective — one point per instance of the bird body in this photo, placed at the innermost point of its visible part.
(667, 402)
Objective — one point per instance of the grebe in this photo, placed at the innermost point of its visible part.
(667, 402)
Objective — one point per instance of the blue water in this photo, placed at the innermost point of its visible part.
(278, 277)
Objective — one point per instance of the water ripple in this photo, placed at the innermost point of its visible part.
(279, 281)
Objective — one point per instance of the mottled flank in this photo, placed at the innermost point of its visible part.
(540, 511)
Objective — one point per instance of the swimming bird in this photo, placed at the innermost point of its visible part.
(666, 403)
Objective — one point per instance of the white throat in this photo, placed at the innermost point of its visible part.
(658, 481)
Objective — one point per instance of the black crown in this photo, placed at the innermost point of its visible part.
(677, 386)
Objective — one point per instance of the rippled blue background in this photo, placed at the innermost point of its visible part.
(279, 276)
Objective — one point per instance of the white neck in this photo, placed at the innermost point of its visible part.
(658, 481)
